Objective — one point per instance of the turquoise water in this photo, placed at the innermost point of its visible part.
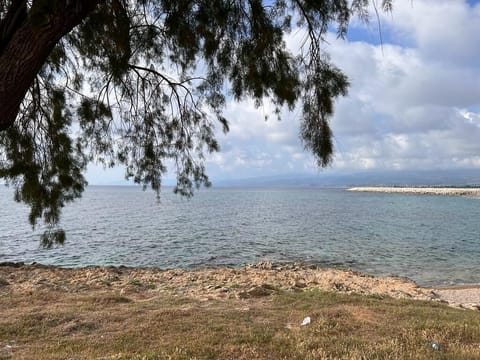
(434, 240)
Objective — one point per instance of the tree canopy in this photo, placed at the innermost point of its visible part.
(141, 83)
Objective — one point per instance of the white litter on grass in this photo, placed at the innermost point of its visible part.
(306, 321)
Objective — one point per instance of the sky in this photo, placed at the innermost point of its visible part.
(413, 103)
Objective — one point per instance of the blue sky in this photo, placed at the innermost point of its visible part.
(414, 102)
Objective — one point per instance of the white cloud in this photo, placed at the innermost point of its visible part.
(404, 108)
(443, 30)
(413, 102)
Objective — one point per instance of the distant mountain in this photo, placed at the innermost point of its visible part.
(462, 177)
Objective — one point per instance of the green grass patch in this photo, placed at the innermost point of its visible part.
(111, 326)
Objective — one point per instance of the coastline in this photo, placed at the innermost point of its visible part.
(419, 190)
(254, 280)
(261, 311)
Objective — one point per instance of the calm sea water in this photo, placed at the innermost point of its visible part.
(434, 240)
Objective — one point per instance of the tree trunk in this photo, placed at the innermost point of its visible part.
(28, 48)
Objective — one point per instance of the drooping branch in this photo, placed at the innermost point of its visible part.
(28, 47)
(103, 66)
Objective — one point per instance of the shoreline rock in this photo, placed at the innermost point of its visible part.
(253, 280)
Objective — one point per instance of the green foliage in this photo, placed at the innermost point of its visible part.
(123, 88)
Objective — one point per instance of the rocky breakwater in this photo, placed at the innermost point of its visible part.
(421, 190)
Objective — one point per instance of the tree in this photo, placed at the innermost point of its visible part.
(140, 83)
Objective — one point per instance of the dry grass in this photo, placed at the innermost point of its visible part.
(148, 325)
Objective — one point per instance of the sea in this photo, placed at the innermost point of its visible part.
(433, 240)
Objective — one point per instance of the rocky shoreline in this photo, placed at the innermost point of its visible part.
(257, 280)
(420, 190)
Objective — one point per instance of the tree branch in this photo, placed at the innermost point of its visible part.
(29, 47)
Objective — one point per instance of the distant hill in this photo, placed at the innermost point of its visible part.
(463, 177)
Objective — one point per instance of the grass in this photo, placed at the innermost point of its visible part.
(105, 325)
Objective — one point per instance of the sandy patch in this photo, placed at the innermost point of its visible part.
(461, 296)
